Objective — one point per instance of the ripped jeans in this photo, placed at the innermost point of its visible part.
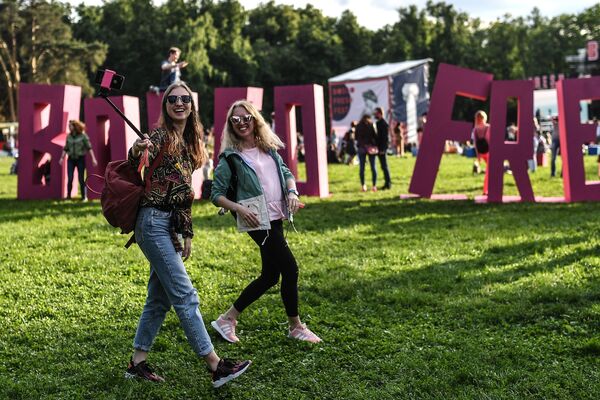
(169, 285)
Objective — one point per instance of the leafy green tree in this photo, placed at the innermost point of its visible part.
(37, 46)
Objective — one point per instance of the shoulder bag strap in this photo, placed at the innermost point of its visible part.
(155, 164)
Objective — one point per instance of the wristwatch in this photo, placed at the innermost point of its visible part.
(293, 191)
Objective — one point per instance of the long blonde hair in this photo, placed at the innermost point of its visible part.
(264, 137)
(192, 134)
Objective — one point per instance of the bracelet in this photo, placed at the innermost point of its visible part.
(293, 191)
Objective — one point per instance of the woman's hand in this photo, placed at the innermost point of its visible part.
(294, 203)
(140, 145)
(187, 248)
(247, 216)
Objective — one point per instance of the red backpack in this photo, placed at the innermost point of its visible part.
(122, 192)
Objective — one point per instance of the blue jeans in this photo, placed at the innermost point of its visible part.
(80, 165)
(362, 159)
(169, 284)
(384, 166)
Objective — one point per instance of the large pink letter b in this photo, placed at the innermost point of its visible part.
(573, 134)
(44, 114)
(310, 98)
(451, 81)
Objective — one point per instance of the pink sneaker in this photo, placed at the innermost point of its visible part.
(303, 333)
(226, 329)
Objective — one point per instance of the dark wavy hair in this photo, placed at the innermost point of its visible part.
(192, 134)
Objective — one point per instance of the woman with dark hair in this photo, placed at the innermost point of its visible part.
(366, 141)
(164, 216)
(76, 147)
(265, 195)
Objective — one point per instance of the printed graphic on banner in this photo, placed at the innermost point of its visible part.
(411, 98)
(350, 101)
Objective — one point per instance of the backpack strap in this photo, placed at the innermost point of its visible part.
(233, 182)
(155, 163)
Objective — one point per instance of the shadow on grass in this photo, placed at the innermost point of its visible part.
(497, 285)
(24, 210)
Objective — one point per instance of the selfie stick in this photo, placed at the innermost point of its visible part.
(105, 90)
(131, 125)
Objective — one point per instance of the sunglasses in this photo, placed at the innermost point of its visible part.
(236, 120)
(185, 99)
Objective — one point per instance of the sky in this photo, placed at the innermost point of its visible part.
(374, 14)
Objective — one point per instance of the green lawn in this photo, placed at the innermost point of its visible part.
(414, 299)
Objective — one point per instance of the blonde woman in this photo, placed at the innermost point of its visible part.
(251, 146)
(481, 138)
(164, 216)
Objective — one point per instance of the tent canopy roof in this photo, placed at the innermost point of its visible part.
(378, 71)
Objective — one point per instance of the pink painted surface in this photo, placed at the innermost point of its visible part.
(224, 98)
(109, 135)
(445, 196)
(153, 102)
(44, 114)
(573, 134)
(517, 153)
(310, 99)
(451, 81)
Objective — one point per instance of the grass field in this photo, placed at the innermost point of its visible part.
(414, 299)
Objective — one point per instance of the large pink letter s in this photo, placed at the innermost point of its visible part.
(44, 114)
(451, 81)
(310, 98)
(517, 153)
(573, 134)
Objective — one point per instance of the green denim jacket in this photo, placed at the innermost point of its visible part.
(248, 184)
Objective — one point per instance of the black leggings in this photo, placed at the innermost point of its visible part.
(277, 259)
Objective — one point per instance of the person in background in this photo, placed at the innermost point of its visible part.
(165, 216)
(555, 146)
(481, 138)
(366, 142)
(76, 147)
(332, 150)
(349, 143)
(263, 178)
(171, 68)
(383, 142)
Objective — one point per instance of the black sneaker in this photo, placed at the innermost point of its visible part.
(228, 370)
(142, 371)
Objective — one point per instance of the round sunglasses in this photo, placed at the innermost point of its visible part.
(186, 99)
(237, 120)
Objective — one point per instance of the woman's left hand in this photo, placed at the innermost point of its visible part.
(294, 203)
(187, 248)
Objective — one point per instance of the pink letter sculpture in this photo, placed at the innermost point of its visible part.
(450, 82)
(573, 134)
(44, 114)
(310, 98)
(109, 135)
(517, 153)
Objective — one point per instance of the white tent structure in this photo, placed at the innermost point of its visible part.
(399, 88)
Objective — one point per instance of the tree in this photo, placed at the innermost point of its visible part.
(37, 46)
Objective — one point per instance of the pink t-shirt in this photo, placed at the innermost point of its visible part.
(268, 176)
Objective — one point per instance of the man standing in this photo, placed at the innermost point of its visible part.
(383, 141)
(171, 69)
(555, 146)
